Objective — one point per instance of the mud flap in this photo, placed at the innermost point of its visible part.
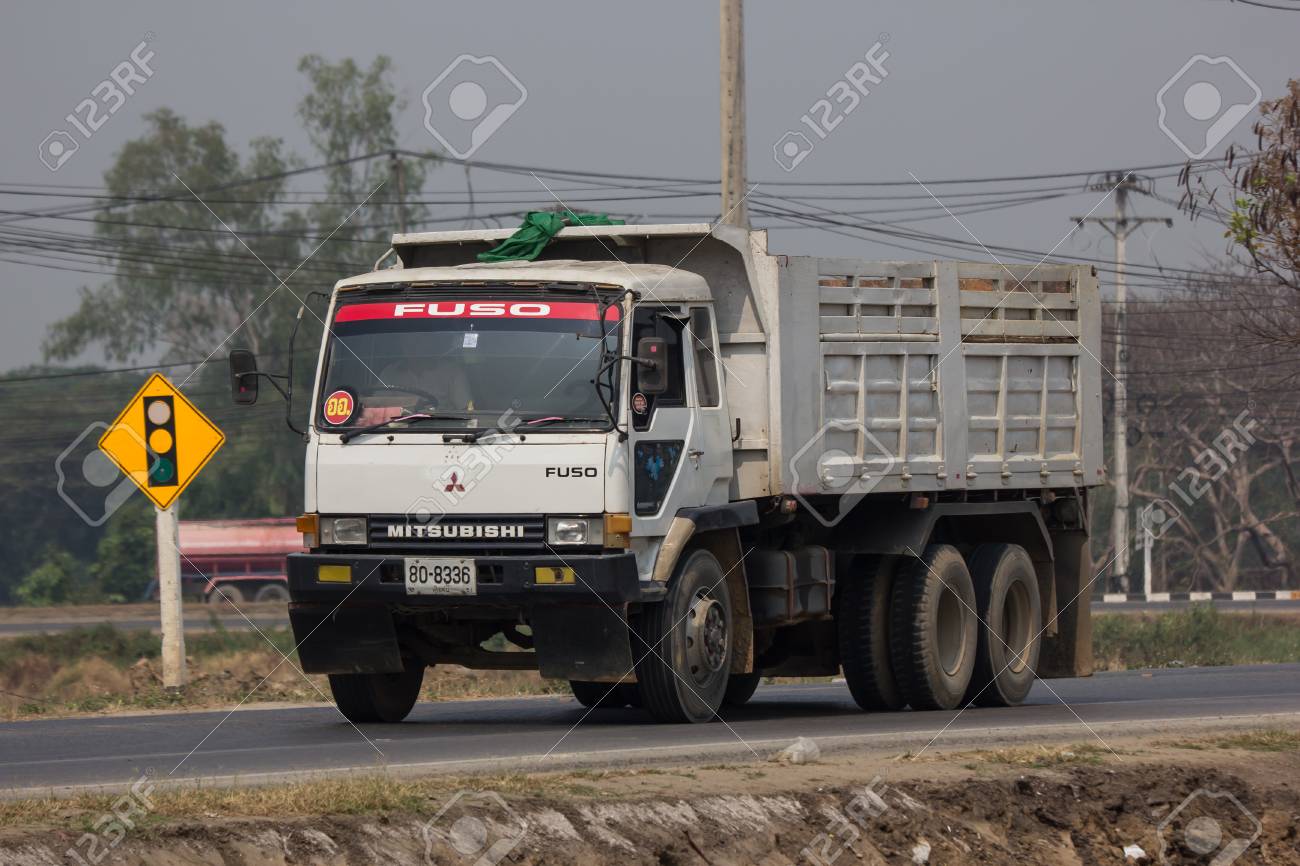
(345, 640)
(583, 643)
(1068, 653)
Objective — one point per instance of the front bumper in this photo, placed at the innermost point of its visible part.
(580, 629)
(502, 581)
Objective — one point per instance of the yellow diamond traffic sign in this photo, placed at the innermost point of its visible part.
(161, 440)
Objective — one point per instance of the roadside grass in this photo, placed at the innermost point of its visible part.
(1035, 757)
(1263, 740)
(1200, 636)
(363, 794)
(102, 669)
(123, 648)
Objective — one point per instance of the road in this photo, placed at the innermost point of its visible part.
(263, 619)
(551, 732)
(193, 623)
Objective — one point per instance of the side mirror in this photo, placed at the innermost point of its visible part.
(243, 377)
(652, 363)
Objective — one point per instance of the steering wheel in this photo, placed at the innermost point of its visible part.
(415, 392)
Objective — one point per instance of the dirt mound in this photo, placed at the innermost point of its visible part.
(1084, 816)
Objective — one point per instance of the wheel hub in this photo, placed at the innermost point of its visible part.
(706, 637)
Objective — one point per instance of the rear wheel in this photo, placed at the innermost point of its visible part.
(933, 629)
(740, 688)
(226, 594)
(603, 696)
(377, 697)
(687, 652)
(272, 592)
(862, 624)
(1006, 589)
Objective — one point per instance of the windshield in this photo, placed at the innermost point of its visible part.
(467, 361)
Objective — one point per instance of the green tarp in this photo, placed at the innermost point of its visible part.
(536, 232)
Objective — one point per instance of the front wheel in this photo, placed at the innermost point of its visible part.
(686, 644)
(377, 697)
(740, 688)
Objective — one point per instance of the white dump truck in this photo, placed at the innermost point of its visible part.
(661, 461)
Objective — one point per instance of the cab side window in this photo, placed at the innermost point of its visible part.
(651, 322)
(706, 357)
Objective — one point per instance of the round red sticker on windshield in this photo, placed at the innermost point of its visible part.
(639, 403)
(339, 406)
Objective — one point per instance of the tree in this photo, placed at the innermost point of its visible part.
(185, 286)
(59, 579)
(183, 282)
(1261, 214)
(127, 552)
(349, 113)
(1214, 446)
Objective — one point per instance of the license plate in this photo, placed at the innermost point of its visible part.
(440, 576)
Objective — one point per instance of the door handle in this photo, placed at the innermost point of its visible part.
(695, 454)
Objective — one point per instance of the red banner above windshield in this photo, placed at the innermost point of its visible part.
(471, 310)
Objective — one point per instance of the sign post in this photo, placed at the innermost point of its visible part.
(161, 441)
(169, 596)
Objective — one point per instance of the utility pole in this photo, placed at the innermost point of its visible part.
(169, 597)
(399, 172)
(1120, 227)
(733, 113)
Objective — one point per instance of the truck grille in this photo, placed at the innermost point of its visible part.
(462, 533)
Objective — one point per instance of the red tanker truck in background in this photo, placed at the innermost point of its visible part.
(235, 561)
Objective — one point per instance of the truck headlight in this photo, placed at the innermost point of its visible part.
(575, 530)
(343, 530)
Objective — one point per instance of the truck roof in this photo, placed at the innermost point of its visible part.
(619, 234)
(629, 256)
(659, 282)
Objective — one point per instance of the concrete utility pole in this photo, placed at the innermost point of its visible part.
(169, 597)
(1120, 227)
(399, 172)
(733, 114)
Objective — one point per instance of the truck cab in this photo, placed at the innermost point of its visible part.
(570, 465)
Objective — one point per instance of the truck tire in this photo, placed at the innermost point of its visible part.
(1011, 619)
(933, 630)
(226, 594)
(740, 688)
(862, 624)
(686, 655)
(377, 697)
(272, 592)
(601, 696)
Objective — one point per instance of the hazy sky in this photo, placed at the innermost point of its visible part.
(974, 89)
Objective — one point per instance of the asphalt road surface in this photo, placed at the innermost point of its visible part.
(551, 732)
(231, 622)
(234, 622)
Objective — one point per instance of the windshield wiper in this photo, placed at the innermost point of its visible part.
(560, 419)
(414, 418)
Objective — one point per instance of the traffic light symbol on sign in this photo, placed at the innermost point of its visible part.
(160, 436)
(161, 441)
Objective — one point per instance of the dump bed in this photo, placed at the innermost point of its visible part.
(935, 376)
(848, 375)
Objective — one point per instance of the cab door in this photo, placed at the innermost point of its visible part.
(712, 456)
(679, 445)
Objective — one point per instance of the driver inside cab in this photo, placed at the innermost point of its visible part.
(418, 385)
